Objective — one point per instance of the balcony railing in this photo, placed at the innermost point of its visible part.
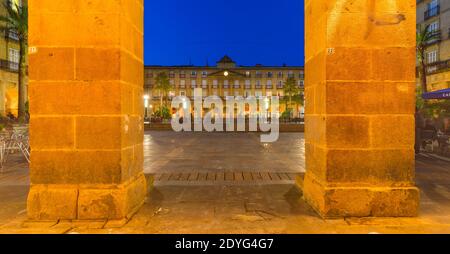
(438, 67)
(9, 66)
(11, 35)
(437, 37)
(432, 12)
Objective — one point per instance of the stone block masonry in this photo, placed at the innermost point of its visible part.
(360, 89)
(86, 130)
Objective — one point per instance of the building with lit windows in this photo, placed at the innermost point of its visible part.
(224, 79)
(436, 15)
(9, 65)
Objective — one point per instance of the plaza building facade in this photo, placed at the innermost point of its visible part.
(436, 15)
(223, 80)
(9, 65)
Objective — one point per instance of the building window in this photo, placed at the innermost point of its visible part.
(215, 84)
(290, 74)
(204, 74)
(182, 74)
(258, 74)
(280, 74)
(301, 83)
(433, 9)
(182, 93)
(204, 84)
(248, 84)
(247, 74)
(301, 75)
(194, 74)
(432, 57)
(433, 27)
(258, 84)
(171, 74)
(269, 74)
(13, 59)
(225, 84)
(280, 84)
(236, 84)
(193, 83)
(433, 4)
(269, 84)
(182, 83)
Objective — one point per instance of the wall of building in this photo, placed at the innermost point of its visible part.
(8, 71)
(217, 75)
(439, 79)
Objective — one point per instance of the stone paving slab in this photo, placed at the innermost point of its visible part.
(171, 152)
(224, 178)
(244, 201)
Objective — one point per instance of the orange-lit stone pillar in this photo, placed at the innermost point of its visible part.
(86, 87)
(360, 80)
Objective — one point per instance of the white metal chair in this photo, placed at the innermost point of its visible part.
(13, 141)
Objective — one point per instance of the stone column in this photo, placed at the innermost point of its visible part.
(86, 97)
(360, 93)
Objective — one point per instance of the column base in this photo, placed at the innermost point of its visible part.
(97, 202)
(338, 202)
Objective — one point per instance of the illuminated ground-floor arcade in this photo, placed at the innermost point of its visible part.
(359, 162)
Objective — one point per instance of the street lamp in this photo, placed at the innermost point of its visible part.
(146, 105)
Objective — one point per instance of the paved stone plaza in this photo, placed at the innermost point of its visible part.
(211, 152)
(229, 205)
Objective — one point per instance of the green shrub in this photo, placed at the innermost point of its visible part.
(163, 113)
(287, 114)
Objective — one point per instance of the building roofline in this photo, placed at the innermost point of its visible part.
(215, 67)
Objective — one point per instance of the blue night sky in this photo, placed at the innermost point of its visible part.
(268, 32)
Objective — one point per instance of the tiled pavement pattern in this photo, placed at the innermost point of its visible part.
(275, 207)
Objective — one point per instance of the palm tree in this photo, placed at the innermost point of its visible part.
(17, 21)
(162, 83)
(290, 89)
(424, 37)
(299, 99)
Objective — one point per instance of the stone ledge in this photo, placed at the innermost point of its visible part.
(68, 202)
(338, 202)
(168, 127)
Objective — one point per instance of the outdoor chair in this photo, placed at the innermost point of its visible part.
(13, 141)
(428, 138)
